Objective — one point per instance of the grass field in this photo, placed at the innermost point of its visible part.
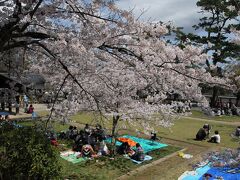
(105, 168)
(184, 130)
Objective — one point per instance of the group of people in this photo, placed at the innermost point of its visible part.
(4, 118)
(90, 142)
(136, 154)
(181, 107)
(226, 109)
(204, 132)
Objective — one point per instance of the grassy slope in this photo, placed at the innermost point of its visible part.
(186, 129)
(183, 130)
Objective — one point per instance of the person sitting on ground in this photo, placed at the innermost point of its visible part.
(7, 118)
(30, 109)
(79, 141)
(122, 149)
(207, 128)
(219, 113)
(87, 129)
(154, 136)
(53, 139)
(74, 132)
(69, 133)
(125, 148)
(92, 140)
(99, 132)
(201, 134)
(102, 148)
(87, 151)
(62, 135)
(237, 132)
(215, 138)
(235, 110)
(139, 153)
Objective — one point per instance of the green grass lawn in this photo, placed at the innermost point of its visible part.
(104, 168)
(186, 129)
(100, 168)
(183, 130)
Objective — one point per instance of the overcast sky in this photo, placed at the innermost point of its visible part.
(182, 13)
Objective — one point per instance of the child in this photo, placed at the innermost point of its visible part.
(102, 149)
(87, 129)
(215, 138)
(34, 115)
(87, 151)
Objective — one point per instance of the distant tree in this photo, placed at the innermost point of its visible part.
(214, 33)
(233, 72)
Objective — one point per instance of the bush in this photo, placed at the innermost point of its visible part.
(27, 154)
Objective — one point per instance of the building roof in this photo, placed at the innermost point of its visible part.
(30, 81)
(6, 82)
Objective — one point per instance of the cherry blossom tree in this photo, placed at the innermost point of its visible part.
(101, 57)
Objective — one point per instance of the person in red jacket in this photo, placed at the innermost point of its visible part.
(30, 109)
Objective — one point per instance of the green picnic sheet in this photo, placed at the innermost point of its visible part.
(71, 156)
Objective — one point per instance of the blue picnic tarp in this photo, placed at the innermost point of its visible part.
(199, 172)
(4, 113)
(216, 172)
(146, 158)
(147, 145)
(223, 172)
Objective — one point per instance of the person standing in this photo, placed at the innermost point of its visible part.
(25, 100)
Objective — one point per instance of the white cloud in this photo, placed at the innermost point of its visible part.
(182, 13)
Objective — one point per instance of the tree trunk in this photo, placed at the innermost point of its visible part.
(114, 126)
(10, 107)
(238, 99)
(214, 98)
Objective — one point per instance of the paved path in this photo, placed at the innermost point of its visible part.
(215, 121)
(37, 108)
